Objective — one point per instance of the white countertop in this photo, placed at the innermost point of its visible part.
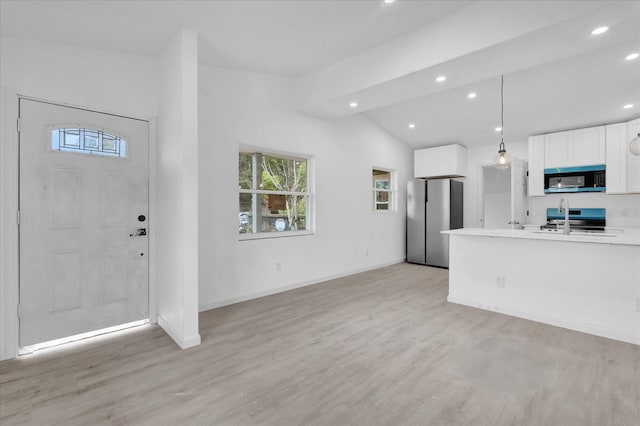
(627, 236)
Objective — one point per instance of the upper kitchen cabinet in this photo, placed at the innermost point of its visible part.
(616, 158)
(556, 149)
(582, 147)
(441, 161)
(633, 161)
(623, 168)
(536, 166)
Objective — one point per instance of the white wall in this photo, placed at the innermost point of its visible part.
(93, 79)
(241, 108)
(98, 80)
(177, 197)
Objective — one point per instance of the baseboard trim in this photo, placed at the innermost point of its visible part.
(184, 343)
(580, 326)
(257, 295)
(190, 342)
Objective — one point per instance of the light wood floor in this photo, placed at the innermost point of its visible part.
(378, 348)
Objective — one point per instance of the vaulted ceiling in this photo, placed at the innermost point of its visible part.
(386, 56)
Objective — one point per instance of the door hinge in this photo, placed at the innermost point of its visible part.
(527, 173)
(18, 217)
(19, 310)
(19, 124)
(527, 212)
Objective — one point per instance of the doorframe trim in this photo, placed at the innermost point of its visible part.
(153, 225)
(9, 204)
(9, 243)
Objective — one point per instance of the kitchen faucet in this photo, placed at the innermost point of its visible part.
(564, 202)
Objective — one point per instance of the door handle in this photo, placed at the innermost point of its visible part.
(140, 232)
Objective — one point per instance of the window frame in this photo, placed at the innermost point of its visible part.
(392, 191)
(309, 193)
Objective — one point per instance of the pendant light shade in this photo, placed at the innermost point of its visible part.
(634, 145)
(503, 159)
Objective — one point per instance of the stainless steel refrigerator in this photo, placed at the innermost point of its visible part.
(432, 206)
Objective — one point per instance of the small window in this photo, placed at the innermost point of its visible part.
(88, 141)
(383, 190)
(274, 195)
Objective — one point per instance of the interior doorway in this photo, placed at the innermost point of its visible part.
(503, 196)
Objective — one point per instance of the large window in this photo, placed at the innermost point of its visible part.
(383, 190)
(274, 195)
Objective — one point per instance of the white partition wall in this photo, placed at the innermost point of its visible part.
(177, 172)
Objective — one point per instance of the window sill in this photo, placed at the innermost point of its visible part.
(271, 235)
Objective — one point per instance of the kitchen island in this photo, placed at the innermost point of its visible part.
(584, 282)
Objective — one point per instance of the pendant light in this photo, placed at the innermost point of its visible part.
(634, 145)
(503, 159)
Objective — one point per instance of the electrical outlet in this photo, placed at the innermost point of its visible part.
(366, 253)
(500, 281)
(278, 266)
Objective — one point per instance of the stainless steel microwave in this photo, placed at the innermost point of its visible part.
(575, 179)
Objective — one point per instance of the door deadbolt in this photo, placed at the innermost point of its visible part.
(139, 232)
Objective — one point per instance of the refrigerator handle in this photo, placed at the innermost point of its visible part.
(426, 191)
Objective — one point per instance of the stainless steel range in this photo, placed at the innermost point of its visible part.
(581, 220)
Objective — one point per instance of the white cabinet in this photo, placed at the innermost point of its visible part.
(556, 149)
(589, 146)
(583, 147)
(607, 145)
(536, 166)
(616, 158)
(623, 168)
(441, 161)
(633, 161)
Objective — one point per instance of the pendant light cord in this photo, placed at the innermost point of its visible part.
(502, 111)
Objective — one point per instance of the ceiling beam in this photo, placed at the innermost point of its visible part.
(406, 67)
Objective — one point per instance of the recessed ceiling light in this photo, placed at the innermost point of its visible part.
(353, 104)
(412, 126)
(389, 1)
(632, 56)
(471, 95)
(441, 78)
(627, 106)
(599, 30)
(497, 129)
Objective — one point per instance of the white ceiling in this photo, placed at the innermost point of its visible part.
(386, 56)
(287, 37)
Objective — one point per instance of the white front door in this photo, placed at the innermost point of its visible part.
(83, 198)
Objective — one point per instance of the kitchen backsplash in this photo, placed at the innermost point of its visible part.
(622, 210)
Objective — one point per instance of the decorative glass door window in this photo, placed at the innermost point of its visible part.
(88, 141)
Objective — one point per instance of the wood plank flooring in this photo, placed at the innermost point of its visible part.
(378, 348)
